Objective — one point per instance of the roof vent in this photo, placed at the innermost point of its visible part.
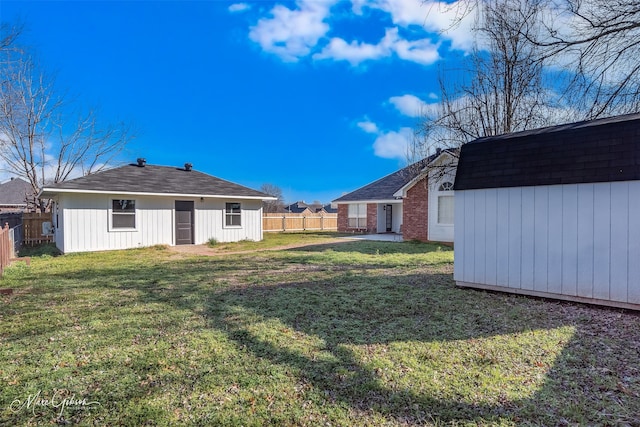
(188, 166)
(141, 162)
(438, 151)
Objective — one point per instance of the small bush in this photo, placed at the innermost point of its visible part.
(46, 250)
(212, 242)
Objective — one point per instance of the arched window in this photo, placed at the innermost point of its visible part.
(446, 186)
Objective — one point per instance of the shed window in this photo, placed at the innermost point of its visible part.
(123, 214)
(233, 215)
(357, 217)
(445, 210)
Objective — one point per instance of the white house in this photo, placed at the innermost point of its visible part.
(142, 205)
(553, 212)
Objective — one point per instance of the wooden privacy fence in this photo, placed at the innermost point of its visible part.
(32, 228)
(5, 248)
(299, 222)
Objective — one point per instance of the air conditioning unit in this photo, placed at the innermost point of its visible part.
(47, 228)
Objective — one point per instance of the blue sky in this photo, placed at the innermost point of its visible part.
(317, 97)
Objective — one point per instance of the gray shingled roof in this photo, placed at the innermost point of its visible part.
(599, 150)
(386, 187)
(15, 192)
(155, 179)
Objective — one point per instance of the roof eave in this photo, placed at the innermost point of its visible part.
(51, 192)
(347, 202)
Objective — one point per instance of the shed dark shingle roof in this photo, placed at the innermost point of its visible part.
(599, 150)
(156, 179)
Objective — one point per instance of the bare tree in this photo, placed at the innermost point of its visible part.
(41, 137)
(502, 87)
(597, 41)
(272, 206)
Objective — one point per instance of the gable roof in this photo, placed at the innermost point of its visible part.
(386, 187)
(15, 192)
(155, 180)
(599, 150)
(297, 207)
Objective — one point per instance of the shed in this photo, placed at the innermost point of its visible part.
(143, 205)
(553, 212)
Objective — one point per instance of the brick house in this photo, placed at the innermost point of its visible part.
(416, 201)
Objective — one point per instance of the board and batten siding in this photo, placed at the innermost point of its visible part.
(576, 241)
(209, 221)
(84, 222)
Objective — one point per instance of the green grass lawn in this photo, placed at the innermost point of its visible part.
(353, 333)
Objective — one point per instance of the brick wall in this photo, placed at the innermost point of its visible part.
(343, 218)
(372, 217)
(415, 209)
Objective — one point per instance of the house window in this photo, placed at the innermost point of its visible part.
(123, 214)
(445, 210)
(446, 186)
(233, 215)
(357, 217)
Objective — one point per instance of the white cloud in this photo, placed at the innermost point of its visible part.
(421, 51)
(368, 126)
(409, 105)
(393, 145)
(354, 52)
(453, 21)
(239, 7)
(292, 33)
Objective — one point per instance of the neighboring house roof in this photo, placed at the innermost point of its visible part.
(300, 207)
(155, 180)
(386, 187)
(15, 192)
(599, 150)
(297, 207)
(330, 209)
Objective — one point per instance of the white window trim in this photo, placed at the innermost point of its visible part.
(445, 224)
(358, 217)
(110, 213)
(224, 217)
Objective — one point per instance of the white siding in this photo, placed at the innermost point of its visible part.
(439, 232)
(85, 222)
(396, 217)
(210, 221)
(579, 240)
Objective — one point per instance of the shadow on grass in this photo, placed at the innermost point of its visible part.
(375, 247)
(595, 371)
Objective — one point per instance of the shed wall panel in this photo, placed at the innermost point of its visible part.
(569, 240)
(601, 240)
(633, 291)
(554, 254)
(491, 236)
(585, 241)
(528, 238)
(576, 240)
(541, 238)
(479, 266)
(502, 225)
